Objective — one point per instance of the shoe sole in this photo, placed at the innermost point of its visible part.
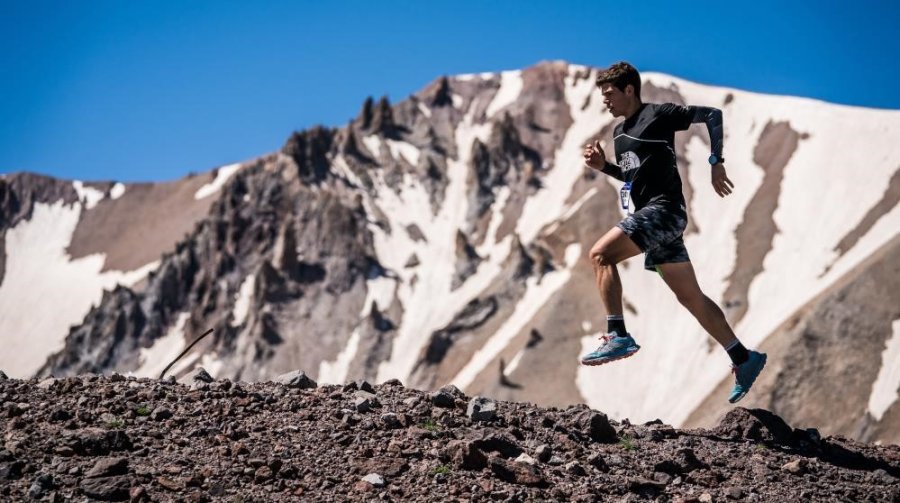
(594, 363)
(738, 399)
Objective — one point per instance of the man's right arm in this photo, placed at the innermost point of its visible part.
(595, 158)
(613, 170)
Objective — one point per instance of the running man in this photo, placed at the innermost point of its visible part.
(645, 150)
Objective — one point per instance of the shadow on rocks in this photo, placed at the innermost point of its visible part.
(760, 425)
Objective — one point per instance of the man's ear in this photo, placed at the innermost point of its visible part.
(629, 90)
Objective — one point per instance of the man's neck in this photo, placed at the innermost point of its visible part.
(633, 109)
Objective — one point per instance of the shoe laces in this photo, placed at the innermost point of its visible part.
(604, 339)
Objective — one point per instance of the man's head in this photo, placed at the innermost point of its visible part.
(621, 87)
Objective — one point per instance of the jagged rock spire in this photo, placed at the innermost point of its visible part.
(441, 96)
(309, 149)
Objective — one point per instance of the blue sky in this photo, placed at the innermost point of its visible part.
(141, 91)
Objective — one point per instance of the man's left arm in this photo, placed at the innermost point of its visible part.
(713, 119)
(682, 117)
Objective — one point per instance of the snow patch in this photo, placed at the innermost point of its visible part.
(514, 363)
(89, 195)
(335, 372)
(116, 191)
(380, 293)
(422, 315)
(536, 295)
(510, 86)
(547, 204)
(884, 389)
(222, 176)
(164, 349)
(406, 150)
(490, 237)
(242, 301)
(425, 110)
(44, 291)
(373, 145)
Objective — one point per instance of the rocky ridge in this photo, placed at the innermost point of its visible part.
(118, 438)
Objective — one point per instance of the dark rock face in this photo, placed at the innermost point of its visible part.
(473, 315)
(18, 194)
(274, 442)
(309, 151)
(467, 261)
(259, 241)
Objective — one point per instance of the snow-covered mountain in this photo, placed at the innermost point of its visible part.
(444, 238)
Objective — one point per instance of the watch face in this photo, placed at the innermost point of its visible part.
(713, 159)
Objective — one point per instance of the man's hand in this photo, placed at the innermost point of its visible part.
(720, 182)
(594, 156)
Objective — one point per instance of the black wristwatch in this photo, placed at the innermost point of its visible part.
(714, 159)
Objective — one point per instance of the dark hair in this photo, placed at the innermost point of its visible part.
(620, 75)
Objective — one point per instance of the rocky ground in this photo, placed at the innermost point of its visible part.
(116, 438)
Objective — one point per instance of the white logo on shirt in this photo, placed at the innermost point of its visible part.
(630, 160)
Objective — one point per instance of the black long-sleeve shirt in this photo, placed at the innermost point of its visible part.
(645, 149)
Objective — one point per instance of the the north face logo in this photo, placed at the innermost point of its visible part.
(629, 160)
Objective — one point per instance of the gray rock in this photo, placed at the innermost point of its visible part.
(543, 453)
(453, 390)
(364, 385)
(374, 479)
(201, 375)
(574, 468)
(160, 414)
(98, 442)
(442, 398)
(105, 467)
(368, 396)
(106, 488)
(465, 455)
(296, 379)
(597, 426)
(734, 493)
(517, 473)
(11, 470)
(637, 483)
(362, 404)
(46, 383)
(525, 458)
(3, 376)
(797, 466)
(597, 461)
(663, 477)
(390, 420)
(42, 483)
(481, 409)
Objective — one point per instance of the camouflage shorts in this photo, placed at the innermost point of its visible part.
(657, 230)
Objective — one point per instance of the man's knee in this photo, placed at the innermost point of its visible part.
(601, 257)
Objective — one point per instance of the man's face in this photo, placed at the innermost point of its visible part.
(615, 100)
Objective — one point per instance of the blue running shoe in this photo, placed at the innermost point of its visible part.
(745, 374)
(613, 348)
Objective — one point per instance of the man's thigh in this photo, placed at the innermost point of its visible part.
(615, 246)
